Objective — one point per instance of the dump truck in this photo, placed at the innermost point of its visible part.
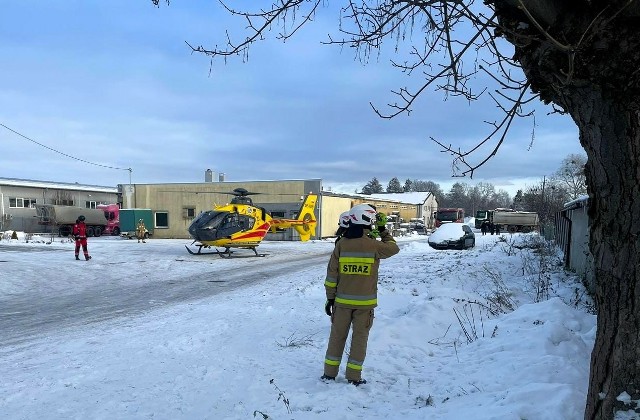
(481, 217)
(487, 216)
(62, 218)
(515, 221)
(129, 219)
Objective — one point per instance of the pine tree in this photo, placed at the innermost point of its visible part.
(408, 185)
(372, 187)
(394, 186)
(518, 201)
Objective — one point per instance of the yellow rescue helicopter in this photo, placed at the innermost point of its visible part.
(241, 224)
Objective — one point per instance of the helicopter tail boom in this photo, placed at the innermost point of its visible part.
(306, 222)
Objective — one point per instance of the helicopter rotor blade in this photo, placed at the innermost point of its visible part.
(241, 192)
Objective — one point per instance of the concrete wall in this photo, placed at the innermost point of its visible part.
(332, 208)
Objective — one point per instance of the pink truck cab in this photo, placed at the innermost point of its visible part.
(112, 214)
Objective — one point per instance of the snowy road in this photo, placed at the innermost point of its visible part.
(103, 289)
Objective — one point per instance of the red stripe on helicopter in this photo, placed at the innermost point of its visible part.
(259, 232)
(250, 235)
(291, 221)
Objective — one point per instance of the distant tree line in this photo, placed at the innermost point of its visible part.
(546, 197)
(551, 194)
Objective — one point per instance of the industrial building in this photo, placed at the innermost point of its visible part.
(175, 205)
(18, 198)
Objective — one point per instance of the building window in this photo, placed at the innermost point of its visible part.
(18, 203)
(162, 220)
(62, 201)
(90, 204)
(188, 212)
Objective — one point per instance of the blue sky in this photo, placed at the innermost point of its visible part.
(113, 83)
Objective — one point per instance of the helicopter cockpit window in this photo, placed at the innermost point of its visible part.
(209, 219)
(246, 222)
(230, 221)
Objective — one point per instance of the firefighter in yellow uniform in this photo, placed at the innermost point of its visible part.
(141, 229)
(351, 287)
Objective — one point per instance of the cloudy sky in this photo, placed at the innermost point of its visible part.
(98, 87)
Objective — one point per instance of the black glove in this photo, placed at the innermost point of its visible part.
(328, 307)
(77, 237)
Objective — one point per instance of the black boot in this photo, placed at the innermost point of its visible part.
(358, 382)
(87, 257)
(328, 378)
(77, 257)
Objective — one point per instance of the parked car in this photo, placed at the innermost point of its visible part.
(452, 235)
(418, 227)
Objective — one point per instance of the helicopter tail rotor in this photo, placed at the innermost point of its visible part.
(308, 218)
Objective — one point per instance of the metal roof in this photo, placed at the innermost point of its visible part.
(417, 198)
(16, 182)
(581, 201)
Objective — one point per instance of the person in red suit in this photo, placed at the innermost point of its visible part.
(80, 235)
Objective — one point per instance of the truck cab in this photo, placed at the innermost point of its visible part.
(112, 214)
(447, 215)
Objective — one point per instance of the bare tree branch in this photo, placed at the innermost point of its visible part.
(449, 36)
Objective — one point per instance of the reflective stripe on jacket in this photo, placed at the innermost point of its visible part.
(352, 272)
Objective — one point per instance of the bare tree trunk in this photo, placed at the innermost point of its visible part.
(610, 133)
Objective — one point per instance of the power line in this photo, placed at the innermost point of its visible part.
(64, 154)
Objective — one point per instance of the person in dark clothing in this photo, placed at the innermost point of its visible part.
(492, 228)
(483, 227)
(80, 235)
(351, 287)
(497, 227)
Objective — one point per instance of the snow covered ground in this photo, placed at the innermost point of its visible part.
(150, 331)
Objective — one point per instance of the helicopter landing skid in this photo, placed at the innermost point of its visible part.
(199, 252)
(227, 253)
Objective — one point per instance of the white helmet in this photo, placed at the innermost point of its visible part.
(343, 221)
(362, 214)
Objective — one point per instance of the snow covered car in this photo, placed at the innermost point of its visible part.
(452, 235)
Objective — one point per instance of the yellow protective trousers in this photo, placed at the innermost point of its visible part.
(342, 320)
